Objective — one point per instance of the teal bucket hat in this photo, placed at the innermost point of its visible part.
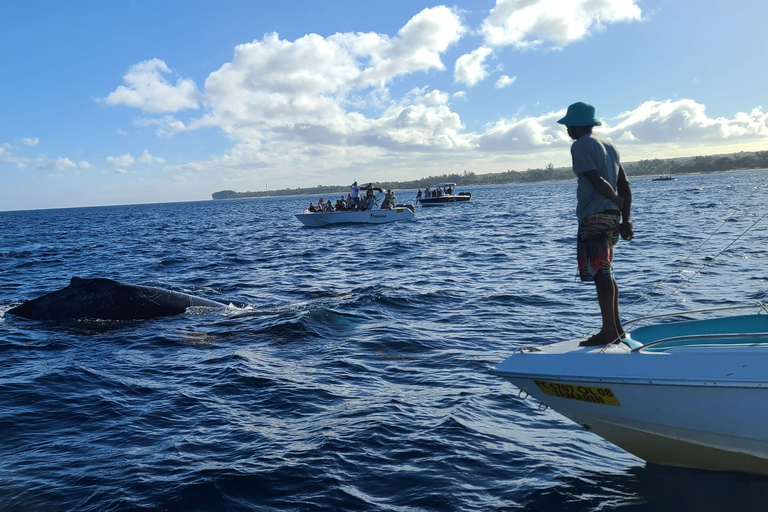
(580, 114)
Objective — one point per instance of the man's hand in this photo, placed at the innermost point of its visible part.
(625, 230)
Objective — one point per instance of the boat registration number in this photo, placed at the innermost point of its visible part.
(595, 395)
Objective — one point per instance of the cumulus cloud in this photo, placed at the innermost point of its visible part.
(314, 89)
(30, 142)
(148, 90)
(146, 158)
(504, 81)
(59, 164)
(682, 123)
(686, 121)
(470, 68)
(522, 134)
(121, 161)
(533, 23)
(166, 125)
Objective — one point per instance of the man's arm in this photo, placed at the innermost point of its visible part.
(604, 188)
(622, 197)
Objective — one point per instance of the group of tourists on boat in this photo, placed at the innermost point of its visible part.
(354, 202)
(436, 192)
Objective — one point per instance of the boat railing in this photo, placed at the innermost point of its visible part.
(705, 339)
(761, 308)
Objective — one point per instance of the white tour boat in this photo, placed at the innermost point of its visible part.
(688, 393)
(372, 214)
(441, 197)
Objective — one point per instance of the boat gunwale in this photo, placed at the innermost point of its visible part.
(644, 381)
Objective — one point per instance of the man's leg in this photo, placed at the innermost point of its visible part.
(607, 297)
(619, 327)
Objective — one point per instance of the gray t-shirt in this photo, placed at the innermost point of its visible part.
(591, 153)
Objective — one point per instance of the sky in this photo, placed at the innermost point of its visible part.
(139, 101)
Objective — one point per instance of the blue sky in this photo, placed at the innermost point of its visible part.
(136, 102)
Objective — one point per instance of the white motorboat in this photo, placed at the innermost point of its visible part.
(371, 211)
(374, 216)
(442, 194)
(689, 393)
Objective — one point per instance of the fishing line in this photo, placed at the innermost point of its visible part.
(674, 271)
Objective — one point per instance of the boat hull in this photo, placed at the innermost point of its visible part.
(445, 200)
(689, 405)
(666, 424)
(319, 219)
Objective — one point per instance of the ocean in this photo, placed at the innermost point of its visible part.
(351, 368)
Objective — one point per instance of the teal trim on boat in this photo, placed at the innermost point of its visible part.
(741, 330)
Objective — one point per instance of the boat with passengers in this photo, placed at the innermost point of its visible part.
(442, 194)
(375, 208)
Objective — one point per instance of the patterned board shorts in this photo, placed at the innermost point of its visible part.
(598, 233)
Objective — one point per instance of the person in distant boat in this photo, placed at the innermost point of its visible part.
(350, 203)
(449, 190)
(604, 201)
(426, 192)
(354, 191)
(311, 208)
(389, 200)
(418, 195)
(321, 205)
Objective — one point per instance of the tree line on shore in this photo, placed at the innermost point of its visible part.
(656, 166)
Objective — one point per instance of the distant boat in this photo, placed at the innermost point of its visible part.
(664, 177)
(443, 195)
(373, 214)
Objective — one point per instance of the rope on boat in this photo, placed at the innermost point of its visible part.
(674, 271)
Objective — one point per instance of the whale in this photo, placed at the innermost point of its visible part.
(107, 299)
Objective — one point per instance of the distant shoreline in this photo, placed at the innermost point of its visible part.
(736, 162)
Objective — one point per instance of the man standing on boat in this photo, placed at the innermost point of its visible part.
(354, 191)
(604, 200)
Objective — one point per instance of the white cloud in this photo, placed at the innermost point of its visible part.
(166, 125)
(149, 91)
(146, 158)
(83, 165)
(504, 81)
(59, 164)
(685, 121)
(470, 68)
(120, 161)
(681, 124)
(522, 134)
(30, 142)
(532, 23)
(277, 90)
(460, 95)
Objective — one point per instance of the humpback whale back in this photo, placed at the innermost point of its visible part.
(108, 300)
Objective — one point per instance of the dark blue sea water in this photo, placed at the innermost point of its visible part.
(351, 372)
